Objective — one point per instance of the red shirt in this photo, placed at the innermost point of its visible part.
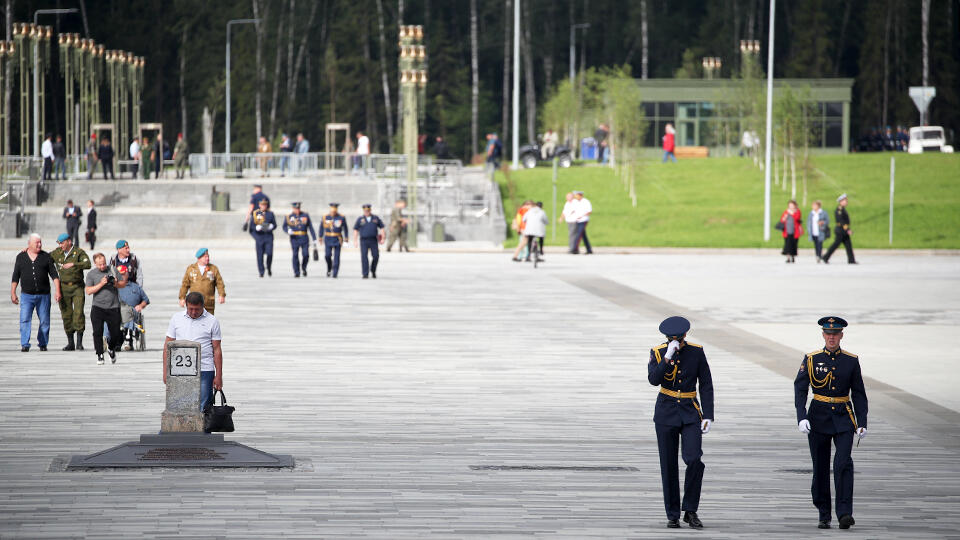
(797, 223)
(668, 142)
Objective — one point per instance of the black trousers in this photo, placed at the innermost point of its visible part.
(818, 245)
(530, 241)
(108, 166)
(841, 238)
(135, 168)
(369, 245)
(264, 252)
(98, 316)
(73, 229)
(842, 472)
(789, 245)
(687, 438)
(47, 169)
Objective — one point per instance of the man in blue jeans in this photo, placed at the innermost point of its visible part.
(197, 324)
(31, 271)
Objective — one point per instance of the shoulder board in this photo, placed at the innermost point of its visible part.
(818, 351)
(695, 345)
(848, 353)
(661, 346)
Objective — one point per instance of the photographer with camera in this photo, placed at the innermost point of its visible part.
(102, 282)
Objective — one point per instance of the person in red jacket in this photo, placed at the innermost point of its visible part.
(791, 223)
(668, 144)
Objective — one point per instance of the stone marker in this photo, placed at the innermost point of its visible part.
(183, 388)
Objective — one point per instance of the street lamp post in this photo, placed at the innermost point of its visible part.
(766, 164)
(413, 82)
(44, 34)
(516, 84)
(227, 126)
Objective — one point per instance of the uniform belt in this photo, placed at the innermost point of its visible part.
(678, 394)
(332, 234)
(298, 233)
(829, 399)
(69, 282)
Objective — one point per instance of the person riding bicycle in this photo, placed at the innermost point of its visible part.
(534, 229)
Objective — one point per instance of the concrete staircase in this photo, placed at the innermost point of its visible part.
(469, 208)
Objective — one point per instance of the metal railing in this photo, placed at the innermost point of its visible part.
(311, 164)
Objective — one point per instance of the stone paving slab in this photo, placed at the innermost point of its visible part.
(458, 396)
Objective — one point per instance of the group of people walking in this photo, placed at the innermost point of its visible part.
(334, 234)
(684, 412)
(791, 227)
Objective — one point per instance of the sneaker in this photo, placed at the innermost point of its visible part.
(99, 359)
(127, 347)
(113, 356)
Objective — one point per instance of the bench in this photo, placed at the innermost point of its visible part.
(685, 152)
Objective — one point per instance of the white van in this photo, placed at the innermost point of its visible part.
(928, 139)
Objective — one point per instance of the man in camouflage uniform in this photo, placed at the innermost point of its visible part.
(180, 154)
(71, 261)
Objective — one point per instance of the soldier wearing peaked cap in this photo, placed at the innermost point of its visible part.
(677, 366)
(368, 233)
(833, 375)
(842, 230)
(298, 225)
(335, 235)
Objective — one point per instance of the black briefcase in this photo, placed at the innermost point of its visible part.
(316, 254)
(218, 418)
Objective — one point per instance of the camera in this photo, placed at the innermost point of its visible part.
(110, 280)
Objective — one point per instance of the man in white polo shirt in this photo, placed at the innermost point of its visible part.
(583, 211)
(197, 324)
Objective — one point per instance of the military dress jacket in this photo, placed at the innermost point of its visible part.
(335, 229)
(205, 283)
(690, 368)
(843, 221)
(299, 225)
(836, 377)
(74, 274)
(266, 220)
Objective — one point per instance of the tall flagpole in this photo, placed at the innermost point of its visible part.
(766, 165)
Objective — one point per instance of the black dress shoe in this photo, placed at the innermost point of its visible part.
(673, 524)
(846, 521)
(823, 525)
(374, 274)
(304, 272)
(269, 272)
(25, 349)
(328, 273)
(693, 520)
(43, 349)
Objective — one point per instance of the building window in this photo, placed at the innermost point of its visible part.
(834, 134)
(834, 108)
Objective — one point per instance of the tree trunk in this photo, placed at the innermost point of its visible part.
(369, 113)
(507, 26)
(924, 35)
(842, 40)
(293, 21)
(475, 83)
(301, 52)
(183, 96)
(644, 40)
(8, 81)
(277, 66)
(258, 27)
(384, 78)
(83, 15)
(530, 89)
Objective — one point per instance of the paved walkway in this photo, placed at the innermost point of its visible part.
(465, 396)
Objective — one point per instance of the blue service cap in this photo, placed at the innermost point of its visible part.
(368, 205)
(335, 204)
(63, 236)
(121, 243)
(832, 324)
(201, 252)
(674, 326)
(295, 204)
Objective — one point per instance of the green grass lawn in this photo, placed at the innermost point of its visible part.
(718, 202)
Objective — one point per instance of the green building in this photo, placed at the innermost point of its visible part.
(702, 111)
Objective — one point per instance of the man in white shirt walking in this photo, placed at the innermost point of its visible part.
(363, 151)
(197, 324)
(135, 156)
(46, 151)
(583, 211)
(569, 215)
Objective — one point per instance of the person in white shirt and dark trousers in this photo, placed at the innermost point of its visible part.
(569, 215)
(583, 211)
(46, 151)
(819, 223)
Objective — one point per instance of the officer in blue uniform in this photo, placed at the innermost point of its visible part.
(262, 224)
(335, 234)
(368, 232)
(834, 376)
(677, 366)
(298, 225)
(257, 196)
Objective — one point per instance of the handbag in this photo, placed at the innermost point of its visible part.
(218, 417)
(778, 226)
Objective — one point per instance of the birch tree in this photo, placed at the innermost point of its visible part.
(384, 79)
(475, 80)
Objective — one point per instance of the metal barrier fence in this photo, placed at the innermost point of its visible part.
(308, 164)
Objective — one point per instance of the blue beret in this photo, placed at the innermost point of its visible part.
(63, 236)
(674, 326)
(121, 243)
(832, 325)
(201, 252)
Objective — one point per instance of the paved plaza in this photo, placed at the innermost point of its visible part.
(462, 395)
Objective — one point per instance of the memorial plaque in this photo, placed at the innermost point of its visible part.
(183, 388)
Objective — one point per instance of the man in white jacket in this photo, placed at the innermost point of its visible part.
(535, 228)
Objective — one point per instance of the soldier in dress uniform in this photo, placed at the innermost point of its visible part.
(335, 234)
(262, 224)
(368, 233)
(842, 230)
(204, 278)
(834, 376)
(677, 366)
(71, 261)
(298, 226)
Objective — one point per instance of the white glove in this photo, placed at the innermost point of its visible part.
(861, 432)
(672, 349)
(804, 426)
(259, 227)
(705, 425)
